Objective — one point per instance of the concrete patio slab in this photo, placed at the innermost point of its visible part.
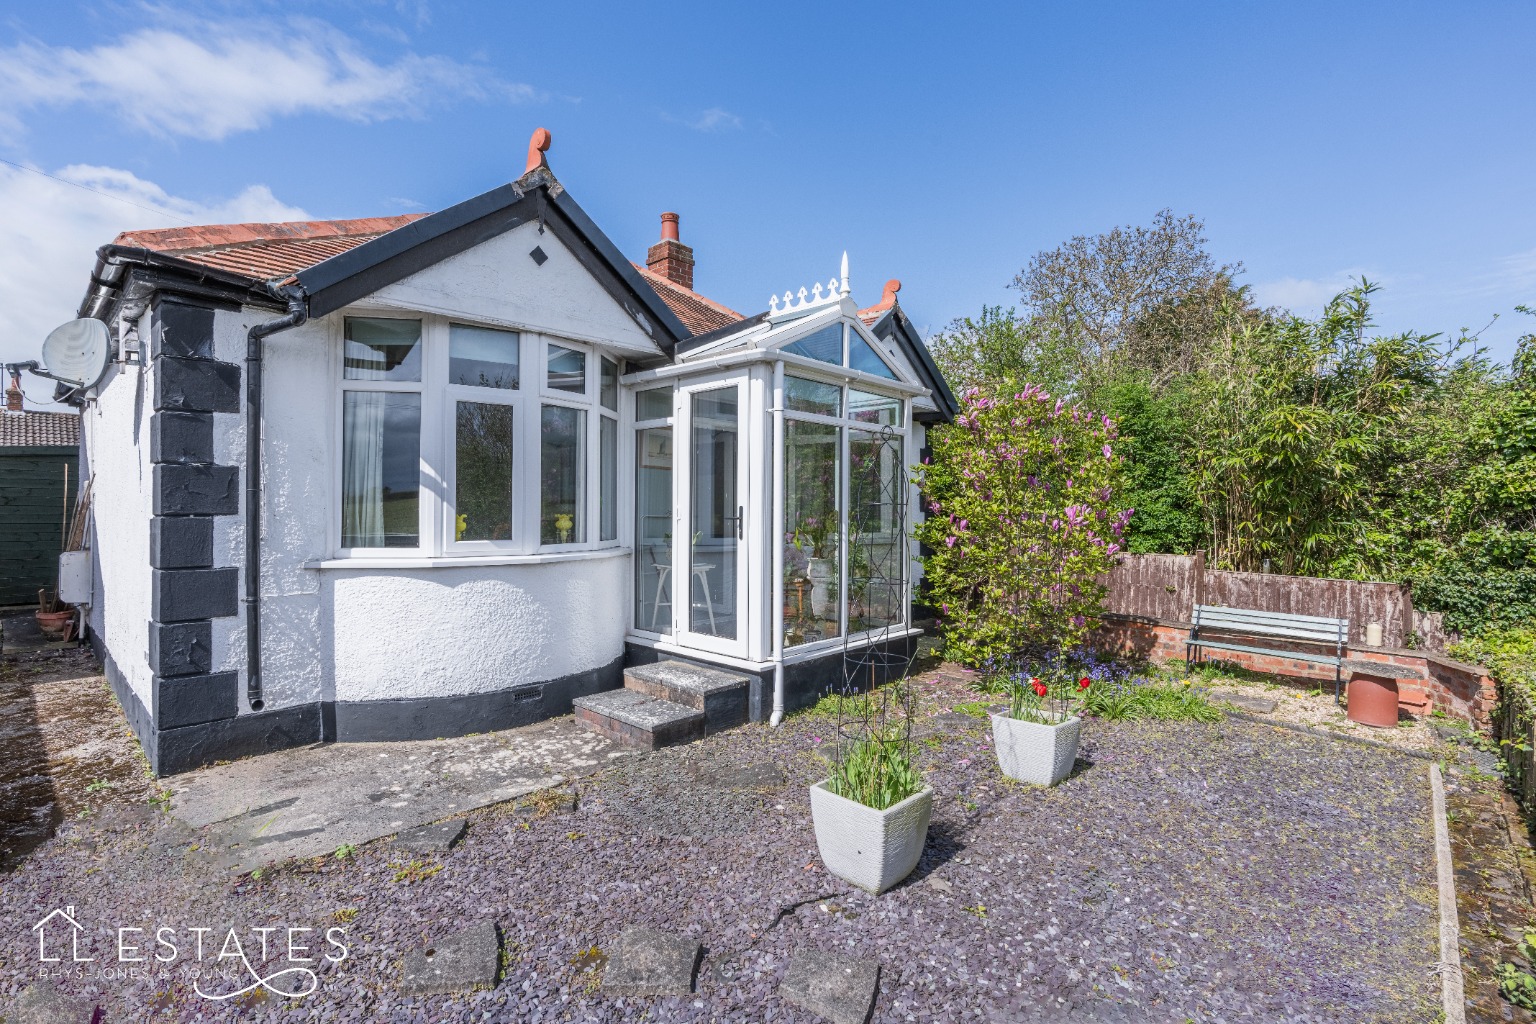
(468, 959)
(439, 837)
(309, 801)
(840, 988)
(652, 963)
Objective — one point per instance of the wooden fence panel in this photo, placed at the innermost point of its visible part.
(1167, 587)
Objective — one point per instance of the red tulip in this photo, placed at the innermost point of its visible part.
(1040, 690)
(1084, 683)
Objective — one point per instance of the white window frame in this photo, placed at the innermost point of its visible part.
(424, 513)
(437, 510)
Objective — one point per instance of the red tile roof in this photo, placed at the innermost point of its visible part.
(887, 299)
(265, 252)
(39, 429)
(270, 252)
(698, 314)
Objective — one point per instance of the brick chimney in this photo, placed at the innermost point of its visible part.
(13, 393)
(669, 257)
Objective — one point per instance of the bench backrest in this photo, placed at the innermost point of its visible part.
(1313, 628)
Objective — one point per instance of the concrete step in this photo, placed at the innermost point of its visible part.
(633, 718)
(721, 695)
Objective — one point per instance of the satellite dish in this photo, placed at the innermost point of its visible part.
(78, 352)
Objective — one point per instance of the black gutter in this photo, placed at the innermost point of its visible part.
(298, 313)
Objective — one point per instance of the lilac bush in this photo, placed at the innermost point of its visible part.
(1023, 522)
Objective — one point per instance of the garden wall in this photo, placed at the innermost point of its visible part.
(1456, 689)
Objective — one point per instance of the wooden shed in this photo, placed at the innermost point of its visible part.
(39, 475)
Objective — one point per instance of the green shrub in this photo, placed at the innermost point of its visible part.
(1170, 702)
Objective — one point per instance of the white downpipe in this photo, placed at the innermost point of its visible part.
(777, 496)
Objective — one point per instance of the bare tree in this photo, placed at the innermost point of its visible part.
(1145, 297)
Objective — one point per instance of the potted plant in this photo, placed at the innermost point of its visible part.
(54, 618)
(1036, 738)
(871, 813)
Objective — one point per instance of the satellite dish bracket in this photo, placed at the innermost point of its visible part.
(35, 369)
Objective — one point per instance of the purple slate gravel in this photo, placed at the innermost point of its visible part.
(1227, 872)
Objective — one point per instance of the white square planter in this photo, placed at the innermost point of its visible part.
(872, 849)
(1036, 752)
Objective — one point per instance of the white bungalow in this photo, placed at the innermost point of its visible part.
(496, 464)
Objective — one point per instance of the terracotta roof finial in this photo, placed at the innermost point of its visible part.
(538, 145)
(888, 297)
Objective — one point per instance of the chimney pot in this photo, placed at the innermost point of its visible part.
(669, 227)
(13, 396)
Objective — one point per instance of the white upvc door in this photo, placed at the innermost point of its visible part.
(711, 512)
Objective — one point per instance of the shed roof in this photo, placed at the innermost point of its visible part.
(39, 430)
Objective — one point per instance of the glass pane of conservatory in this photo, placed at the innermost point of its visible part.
(876, 547)
(870, 408)
(608, 384)
(801, 395)
(653, 528)
(862, 357)
(608, 478)
(812, 606)
(482, 471)
(825, 345)
(716, 519)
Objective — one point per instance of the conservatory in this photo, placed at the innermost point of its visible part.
(773, 497)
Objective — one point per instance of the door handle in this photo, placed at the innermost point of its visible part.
(739, 510)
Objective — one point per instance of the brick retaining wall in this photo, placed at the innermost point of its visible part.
(1456, 689)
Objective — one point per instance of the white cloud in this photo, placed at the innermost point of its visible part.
(50, 231)
(217, 79)
(714, 119)
(1308, 295)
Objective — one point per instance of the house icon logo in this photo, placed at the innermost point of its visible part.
(51, 932)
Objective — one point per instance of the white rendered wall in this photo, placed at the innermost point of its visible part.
(115, 428)
(449, 631)
(497, 282)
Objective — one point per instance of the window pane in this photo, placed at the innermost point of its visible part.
(655, 404)
(812, 535)
(653, 529)
(862, 357)
(482, 357)
(567, 370)
(801, 395)
(482, 472)
(868, 408)
(716, 528)
(380, 349)
(608, 493)
(608, 384)
(380, 469)
(562, 470)
(826, 345)
(876, 548)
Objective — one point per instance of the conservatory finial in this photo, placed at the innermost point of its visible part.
(538, 145)
(845, 288)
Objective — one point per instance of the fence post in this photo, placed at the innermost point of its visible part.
(1199, 578)
(1407, 589)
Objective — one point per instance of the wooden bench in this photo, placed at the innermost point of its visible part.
(1215, 628)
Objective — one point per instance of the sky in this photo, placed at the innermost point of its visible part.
(943, 145)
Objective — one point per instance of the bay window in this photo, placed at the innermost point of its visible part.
(429, 399)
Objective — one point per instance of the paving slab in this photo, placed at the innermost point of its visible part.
(840, 988)
(309, 801)
(652, 963)
(438, 837)
(1258, 705)
(43, 1003)
(465, 960)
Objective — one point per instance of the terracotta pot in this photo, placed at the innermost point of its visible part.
(1373, 701)
(55, 623)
